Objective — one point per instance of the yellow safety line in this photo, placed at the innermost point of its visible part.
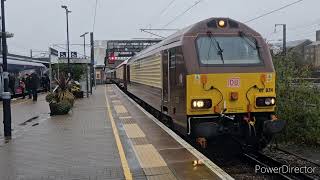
(124, 162)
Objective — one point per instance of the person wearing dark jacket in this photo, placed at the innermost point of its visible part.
(47, 83)
(12, 82)
(34, 85)
(23, 87)
(28, 85)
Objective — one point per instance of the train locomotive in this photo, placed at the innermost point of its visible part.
(212, 79)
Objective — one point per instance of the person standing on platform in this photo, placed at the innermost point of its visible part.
(34, 85)
(12, 82)
(46, 83)
(23, 87)
(28, 85)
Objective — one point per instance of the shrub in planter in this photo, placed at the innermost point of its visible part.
(61, 100)
(66, 96)
(60, 108)
(76, 89)
(64, 107)
(50, 97)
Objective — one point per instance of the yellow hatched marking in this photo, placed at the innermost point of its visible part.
(124, 162)
(120, 109)
(116, 101)
(148, 156)
(133, 131)
(125, 117)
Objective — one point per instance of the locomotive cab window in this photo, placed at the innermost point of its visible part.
(228, 50)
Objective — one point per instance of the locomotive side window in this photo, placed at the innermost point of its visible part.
(228, 50)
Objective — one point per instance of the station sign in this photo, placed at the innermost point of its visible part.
(63, 54)
(54, 52)
(124, 49)
(74, 54)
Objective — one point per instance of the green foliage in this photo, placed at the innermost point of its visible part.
(62, 100)
(50, 97)
(64, 106)
(60, 108)
(298, 101)
(77, 70)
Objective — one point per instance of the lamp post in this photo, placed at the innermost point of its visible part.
(68, 45)
(6, 96)
(84, 52)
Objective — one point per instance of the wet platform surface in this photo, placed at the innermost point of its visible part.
(25, 112)
(105, 136)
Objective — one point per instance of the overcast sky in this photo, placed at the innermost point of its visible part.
(36, 24)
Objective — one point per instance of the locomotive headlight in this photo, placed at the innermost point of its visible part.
(265, 101)
(201, 103)
(194, 104)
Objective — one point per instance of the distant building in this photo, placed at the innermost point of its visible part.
(313, 54)
(298, 46)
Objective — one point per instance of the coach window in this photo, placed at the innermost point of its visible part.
(172, 60)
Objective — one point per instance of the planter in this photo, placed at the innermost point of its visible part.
(60, 108)
(78, 94)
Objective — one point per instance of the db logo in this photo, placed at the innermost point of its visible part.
(234, 82)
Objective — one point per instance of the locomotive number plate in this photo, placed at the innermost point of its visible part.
(234, 82)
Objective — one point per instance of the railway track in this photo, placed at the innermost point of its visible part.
(272, 166)
(298, 156)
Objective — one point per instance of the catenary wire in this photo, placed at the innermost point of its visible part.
(273, 11)
(188, 9)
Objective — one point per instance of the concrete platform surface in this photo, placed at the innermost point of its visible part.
(105, 136)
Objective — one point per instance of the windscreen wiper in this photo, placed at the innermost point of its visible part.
(217, 45)
(248, 40)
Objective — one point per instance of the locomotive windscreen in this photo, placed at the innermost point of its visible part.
(228, 50)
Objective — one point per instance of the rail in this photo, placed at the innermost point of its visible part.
(262, 160)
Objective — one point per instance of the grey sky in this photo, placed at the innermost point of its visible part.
(39, 23)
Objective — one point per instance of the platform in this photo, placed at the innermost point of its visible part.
(106, 136)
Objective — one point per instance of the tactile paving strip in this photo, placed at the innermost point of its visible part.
(116, 102)
(149, 156)
(133, 131)
(139, 141)
(126, 120)
(120, 109)
(169, 176)
(157, 170)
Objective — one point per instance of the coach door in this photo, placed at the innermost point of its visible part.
(165, 82)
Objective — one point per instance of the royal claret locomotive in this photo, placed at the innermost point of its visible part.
(210, 80)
